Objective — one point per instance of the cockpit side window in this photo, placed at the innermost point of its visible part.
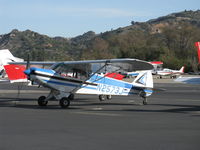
(70, 71)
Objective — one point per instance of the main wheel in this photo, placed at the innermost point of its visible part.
(64, 102)
(101, 97)
(42, 101)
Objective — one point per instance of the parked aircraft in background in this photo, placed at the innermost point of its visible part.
(5, 58)
(170, 72)
(65, 79)
(15, 72)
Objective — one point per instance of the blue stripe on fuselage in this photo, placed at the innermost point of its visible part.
(43, 70)
(68, 84)
(95, 79)
(60, 83)
(109, 81)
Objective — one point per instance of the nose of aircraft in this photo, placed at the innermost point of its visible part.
(27, 72)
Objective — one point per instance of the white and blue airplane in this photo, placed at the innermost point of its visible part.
(64, 79)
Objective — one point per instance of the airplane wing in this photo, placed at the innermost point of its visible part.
(126, 63)
(89, 67)
(48, 63)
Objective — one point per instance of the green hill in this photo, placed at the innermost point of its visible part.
(169, 39)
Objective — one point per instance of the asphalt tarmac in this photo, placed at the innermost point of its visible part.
(170, 121)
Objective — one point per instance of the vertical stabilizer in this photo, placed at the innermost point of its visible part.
(182, 69)
(144, 79)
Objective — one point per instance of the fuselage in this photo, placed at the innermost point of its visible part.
(167, 72)
(95, 84)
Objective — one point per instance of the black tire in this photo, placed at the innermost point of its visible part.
(142, 94)
(109, 97)
(42, 101)
(64, 102)
(101, 97)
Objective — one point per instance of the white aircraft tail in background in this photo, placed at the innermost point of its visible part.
(181, 70)
(6, 56)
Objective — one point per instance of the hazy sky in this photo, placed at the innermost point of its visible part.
(69, 18)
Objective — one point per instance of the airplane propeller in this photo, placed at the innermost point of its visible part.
(28, 62)
(22, 84)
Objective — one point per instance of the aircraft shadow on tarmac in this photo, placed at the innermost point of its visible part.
(79, 104)
(184, 108)
(178, 109)
(84, 104)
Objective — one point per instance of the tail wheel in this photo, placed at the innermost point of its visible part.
(109, 97)
(101, 97)
(64, 102)
(42, 101)
(142, 94)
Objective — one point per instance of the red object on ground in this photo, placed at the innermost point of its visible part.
(197, 44)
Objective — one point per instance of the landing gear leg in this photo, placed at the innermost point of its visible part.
(109, 97)
(145, 101)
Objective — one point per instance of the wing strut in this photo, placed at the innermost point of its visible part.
(84, 81)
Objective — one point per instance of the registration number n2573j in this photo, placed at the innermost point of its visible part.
(110, 89)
